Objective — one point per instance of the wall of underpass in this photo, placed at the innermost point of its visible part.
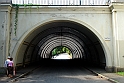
(35, 23)
(4, 32)
(97, 30)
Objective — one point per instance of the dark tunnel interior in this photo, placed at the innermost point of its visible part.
(72, 38)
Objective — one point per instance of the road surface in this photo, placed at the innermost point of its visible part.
(61, 74)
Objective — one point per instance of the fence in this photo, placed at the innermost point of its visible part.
(61, 2)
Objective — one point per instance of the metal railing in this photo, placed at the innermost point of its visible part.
(61, 2)
(5, 1)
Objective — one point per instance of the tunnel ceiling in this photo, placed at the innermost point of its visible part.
(78, 38)
(52, 27)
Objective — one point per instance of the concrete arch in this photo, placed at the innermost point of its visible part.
(102, 41)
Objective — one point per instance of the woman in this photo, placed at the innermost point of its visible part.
(6, 65)
(10, 67)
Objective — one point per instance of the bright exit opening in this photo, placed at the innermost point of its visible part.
(61, 52)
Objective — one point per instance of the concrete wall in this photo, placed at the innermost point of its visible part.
(118, 0)
(106, 22)
(2, 36)
(97, 19)
(4, 24)
(118, 28)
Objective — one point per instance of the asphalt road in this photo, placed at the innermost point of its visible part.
(61, 74)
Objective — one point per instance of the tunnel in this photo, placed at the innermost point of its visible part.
(83, 44)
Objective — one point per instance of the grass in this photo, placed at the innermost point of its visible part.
(120, 73)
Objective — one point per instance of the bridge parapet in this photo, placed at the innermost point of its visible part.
(5, 1)
(59, 2)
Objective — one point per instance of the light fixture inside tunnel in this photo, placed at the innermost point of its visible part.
(61, 52)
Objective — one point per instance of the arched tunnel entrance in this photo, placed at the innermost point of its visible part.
(83, 45)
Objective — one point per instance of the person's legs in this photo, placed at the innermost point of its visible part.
(7, 71)
(10, 71)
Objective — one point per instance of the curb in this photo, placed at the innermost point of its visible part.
(109, 79)
(102, 76)
(24, 74)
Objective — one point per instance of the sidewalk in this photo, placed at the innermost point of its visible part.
(113, 77)
(20, 73)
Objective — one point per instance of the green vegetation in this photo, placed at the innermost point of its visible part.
(17, 10)
(30, 4)
(120, 73)
(16, 19)
(61, 49)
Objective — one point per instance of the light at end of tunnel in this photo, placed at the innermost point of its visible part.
(62, 56)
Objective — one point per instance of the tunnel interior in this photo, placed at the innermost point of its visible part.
(75, 39)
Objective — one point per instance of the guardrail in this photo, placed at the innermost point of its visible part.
(61, 2)
(5, 1)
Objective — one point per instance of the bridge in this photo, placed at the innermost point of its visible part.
(90, 30)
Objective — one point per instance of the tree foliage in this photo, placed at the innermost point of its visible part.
(61, 49)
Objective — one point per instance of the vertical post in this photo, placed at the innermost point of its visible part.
(114, 39)
(116, 62)
(8, 32)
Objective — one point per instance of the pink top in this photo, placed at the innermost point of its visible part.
(10, 63)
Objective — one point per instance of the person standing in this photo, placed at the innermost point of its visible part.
(10, 67)
(6, 64)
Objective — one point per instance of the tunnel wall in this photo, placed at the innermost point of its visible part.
(4, 32)
(97, 19)
(104, 21)
(118, 39)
